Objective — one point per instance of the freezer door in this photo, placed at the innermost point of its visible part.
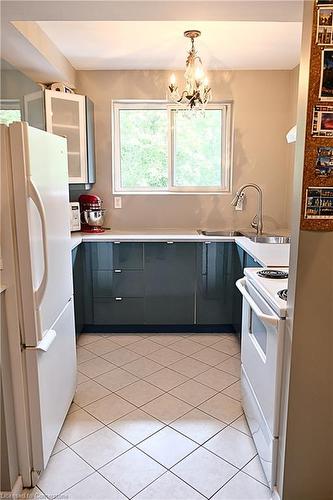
(40, 175)
(51, 380)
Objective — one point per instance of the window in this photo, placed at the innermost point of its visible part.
(160, 149)
(10, 111)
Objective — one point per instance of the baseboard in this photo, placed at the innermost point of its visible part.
(158, 329)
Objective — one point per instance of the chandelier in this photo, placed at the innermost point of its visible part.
(196, 93)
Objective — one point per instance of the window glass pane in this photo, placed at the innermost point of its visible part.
(8, 116)
(197, 148)
(143, 148)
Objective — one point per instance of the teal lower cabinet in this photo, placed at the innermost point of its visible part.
(78, 287)
(214, 283)
(169, 270)
(159, 284)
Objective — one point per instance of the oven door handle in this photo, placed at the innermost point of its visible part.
(265, 318)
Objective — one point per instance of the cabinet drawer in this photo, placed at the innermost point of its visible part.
(128, 255)
(118, 284)
(128, 311)
(116, 256)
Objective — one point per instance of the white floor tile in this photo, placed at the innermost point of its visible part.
(94, 487)
(73, 407)
(116, 379)
(234, 391)
(95, 367)
(136, 426)
(198, 426)
(77, 426)
(210, 356)
(121, 356)
(88, 392)
(169, 487)
(254, 469)
(82, 354)
(142, 367)
(167, 447)
(166, 379)
(59, 446)
(231, 365)
(189, 367)
(241, 424)
(204, 471)
(80, 378)
(243, 487)
(207, 339)
(63, 471)
(110, 408)
(228, 346)
(101, 447)
(166, 408)
(193, 392)
(186, 346)
(222, 407)
(87, 338)
(102, 346)
(30, 493)
(125, 338)
(140, 393)
(163, 339)
(165, 356)
(233, 446)
(145, 347)
(216, 379)
(132, 471)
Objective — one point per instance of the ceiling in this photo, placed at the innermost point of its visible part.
(116, 45)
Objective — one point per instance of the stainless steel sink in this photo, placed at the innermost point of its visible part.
(270, 239)
(220, 233)
(264, 238)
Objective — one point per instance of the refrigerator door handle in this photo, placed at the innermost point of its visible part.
(36, 198)
(45, 343)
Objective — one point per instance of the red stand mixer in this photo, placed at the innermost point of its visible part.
(92, 213)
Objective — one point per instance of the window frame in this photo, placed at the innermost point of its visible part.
(226, 108)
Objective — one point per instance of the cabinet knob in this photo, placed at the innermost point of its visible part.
(117, 270)
(118, 299)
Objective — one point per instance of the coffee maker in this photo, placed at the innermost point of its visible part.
(92, 213)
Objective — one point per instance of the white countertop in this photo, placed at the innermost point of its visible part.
(268, 255)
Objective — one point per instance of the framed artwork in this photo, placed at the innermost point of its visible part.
(319, 203)
(326, 76)
(324, 2)
(324, 162)
(322, 123)
(325, 25)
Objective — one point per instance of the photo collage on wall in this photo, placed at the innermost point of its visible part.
(319, 203)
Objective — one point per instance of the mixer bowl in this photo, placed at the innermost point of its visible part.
(94, 217)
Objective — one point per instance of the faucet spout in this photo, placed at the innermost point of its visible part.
(257, 222)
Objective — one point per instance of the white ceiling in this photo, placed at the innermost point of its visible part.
(102, 45)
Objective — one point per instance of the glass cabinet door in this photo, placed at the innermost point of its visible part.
(34, 112)
(65, 116)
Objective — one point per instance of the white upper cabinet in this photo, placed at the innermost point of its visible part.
(70, 116)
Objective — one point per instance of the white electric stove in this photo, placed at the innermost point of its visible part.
(263, 328)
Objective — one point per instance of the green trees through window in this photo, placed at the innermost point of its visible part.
(158, 148)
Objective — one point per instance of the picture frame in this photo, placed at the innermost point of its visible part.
(324, 162)
(326, 75)
(319, 203)
(325, 26)
(324, 2)
(322, 123)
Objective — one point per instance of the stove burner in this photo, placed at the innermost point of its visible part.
(273, 274)
(283, 294)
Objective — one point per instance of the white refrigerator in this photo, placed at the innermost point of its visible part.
(36, 246)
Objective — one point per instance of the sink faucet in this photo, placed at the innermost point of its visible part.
(256, 223)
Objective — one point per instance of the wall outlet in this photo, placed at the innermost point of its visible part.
(117, 202)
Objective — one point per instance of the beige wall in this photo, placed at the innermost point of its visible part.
(263, 103)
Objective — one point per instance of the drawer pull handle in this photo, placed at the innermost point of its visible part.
(117, 270)
(119, 299)
(170, 242)
(207, 242)
(116, 242)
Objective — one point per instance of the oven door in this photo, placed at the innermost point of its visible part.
(261, 354)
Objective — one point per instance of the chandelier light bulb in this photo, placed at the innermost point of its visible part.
(196, 93)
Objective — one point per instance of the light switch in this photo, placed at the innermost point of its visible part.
(117, 202)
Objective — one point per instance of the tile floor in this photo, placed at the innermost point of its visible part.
(155, 417)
